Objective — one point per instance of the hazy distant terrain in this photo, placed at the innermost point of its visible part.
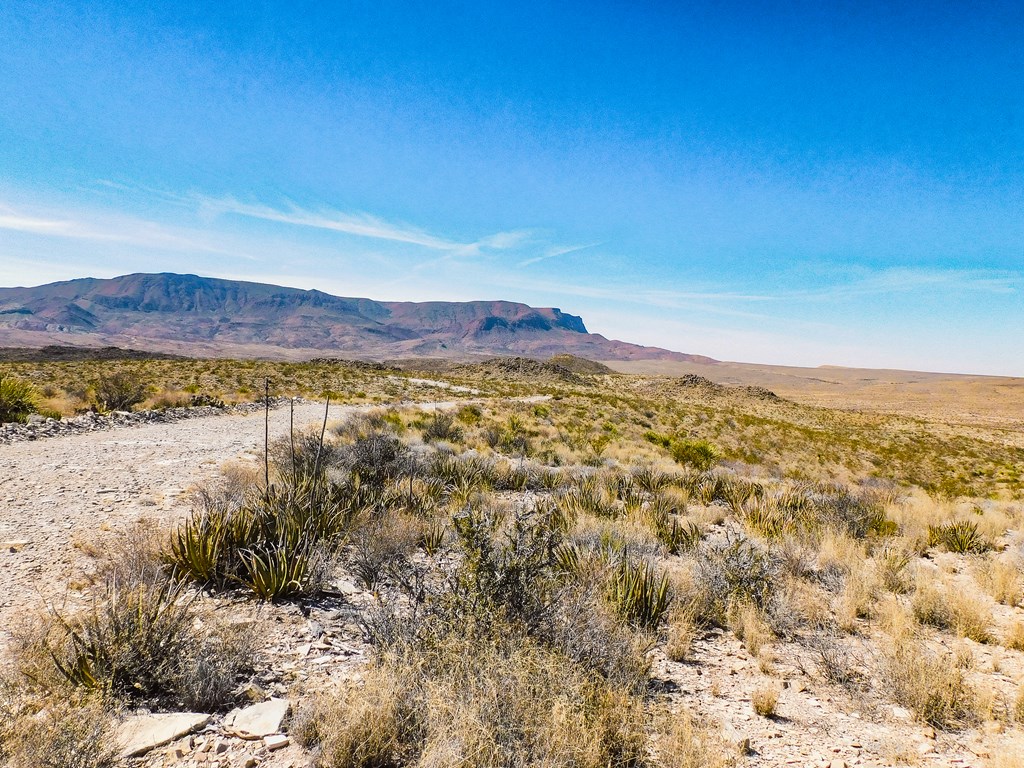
(996, 401)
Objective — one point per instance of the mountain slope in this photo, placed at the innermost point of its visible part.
(171, 312)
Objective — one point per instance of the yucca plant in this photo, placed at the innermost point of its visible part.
(766, 517)
(433, 537)
(959, 536)
(638, 593)
(18, 399)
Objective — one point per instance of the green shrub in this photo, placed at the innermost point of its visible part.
(18, 399)
(699, 454)
(119, 391)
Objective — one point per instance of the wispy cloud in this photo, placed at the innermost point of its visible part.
(905, 280)
(114, 229)
(361, 225)
(555, 251)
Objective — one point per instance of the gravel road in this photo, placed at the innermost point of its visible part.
(61, 493)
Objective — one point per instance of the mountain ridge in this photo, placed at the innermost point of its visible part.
(170, 312)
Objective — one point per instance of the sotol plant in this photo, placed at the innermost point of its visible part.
(18, 399)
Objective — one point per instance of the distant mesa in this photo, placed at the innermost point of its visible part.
(188, 314)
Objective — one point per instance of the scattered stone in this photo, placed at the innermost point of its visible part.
(139, 734)
(257, 720)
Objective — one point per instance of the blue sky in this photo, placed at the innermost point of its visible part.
(813, 184)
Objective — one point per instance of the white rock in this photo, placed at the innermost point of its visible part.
(275, 742)
(258, 720)
(139, 734)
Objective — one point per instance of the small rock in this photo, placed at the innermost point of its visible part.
(275, 742)
(15, 545)
(928, 732)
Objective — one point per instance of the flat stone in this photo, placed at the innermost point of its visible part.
(139, 734)
(15, 545)
(257, 720)
(278, 741)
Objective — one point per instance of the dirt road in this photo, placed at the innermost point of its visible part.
(59, 494)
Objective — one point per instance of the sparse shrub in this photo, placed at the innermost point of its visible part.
(960, 536)
(376, 459)
(18, 399)
(119, 391)
(579, 625)
(442, 427)
(304, 456)
(764, 700)
(834, 660)
(734, 571)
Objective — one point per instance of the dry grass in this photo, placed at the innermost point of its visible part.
(682, 742)
(1002, 579)
(39, 731)
(957, 609)
(506, 705)
(764, 700)
(933, 686)
(682, 631)
(749, 625)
